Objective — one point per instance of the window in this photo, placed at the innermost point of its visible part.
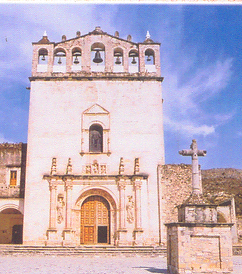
(95, 138)
(13, 178)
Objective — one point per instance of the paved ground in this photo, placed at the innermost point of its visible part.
(88, 265)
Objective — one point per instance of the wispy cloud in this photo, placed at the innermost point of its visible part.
(186, 94)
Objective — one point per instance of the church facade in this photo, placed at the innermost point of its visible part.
(93, 171)
(95, 140)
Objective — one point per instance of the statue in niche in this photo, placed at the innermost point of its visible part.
(60, 208)
(130, 209)
(95, 138)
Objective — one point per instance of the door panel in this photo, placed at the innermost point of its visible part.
(95, 220)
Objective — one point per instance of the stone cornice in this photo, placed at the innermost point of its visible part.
(96, 77)
(64, 177)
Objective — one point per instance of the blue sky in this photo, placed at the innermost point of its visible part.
(201, 61)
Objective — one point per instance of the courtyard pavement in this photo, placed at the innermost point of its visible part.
(19, 264)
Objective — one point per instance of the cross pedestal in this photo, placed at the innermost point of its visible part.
(197, 243)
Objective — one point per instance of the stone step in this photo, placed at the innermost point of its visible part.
(81, 250)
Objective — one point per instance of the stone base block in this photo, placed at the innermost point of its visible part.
(138, 237)
(52, 238)
(194, 248)
(67, 237)
(122, 237)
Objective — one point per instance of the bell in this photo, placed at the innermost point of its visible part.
(76, 61)
(59, 61)
(148, 58)
(97, 58)
(118, 61)
(133, 61)
(43, 58)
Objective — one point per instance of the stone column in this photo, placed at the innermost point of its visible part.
(137, 194)
(122, 216)
(137, 191)
(52, 231)
(122, 221)
(67, 233)
(53, 203)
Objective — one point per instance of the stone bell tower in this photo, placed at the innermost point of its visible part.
(95, 140)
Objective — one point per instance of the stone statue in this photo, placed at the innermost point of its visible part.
(130, 209)
(60, 208)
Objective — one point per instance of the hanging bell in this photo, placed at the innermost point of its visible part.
(148, 58)
(133, 61)
(97, 59)
(59, 61)
(118, 61)
(43, 58)
(76, 61)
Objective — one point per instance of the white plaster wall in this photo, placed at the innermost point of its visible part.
(136, 130)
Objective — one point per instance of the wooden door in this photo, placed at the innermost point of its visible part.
(95, 220)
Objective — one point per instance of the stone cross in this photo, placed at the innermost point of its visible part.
(194, 152)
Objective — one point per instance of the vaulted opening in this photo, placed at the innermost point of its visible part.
(11, 226)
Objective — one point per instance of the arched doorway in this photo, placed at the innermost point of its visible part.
(11, 226)
(95, 220)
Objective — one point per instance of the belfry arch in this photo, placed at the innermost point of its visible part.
(97, 222)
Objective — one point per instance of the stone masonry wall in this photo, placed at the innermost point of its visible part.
(175, 186)
(12, 157)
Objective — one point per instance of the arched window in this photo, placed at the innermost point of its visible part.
(95, 138)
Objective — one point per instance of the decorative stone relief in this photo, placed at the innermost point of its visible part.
(88, 169)
(130, 209)
(103, 169)
(60, 208)
(96, 168)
